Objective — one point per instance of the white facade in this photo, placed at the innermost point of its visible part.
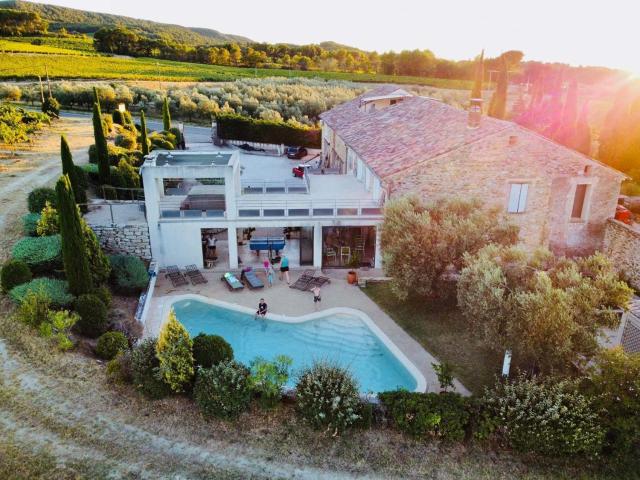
(248, 191)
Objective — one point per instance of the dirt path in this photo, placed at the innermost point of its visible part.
(37, 164)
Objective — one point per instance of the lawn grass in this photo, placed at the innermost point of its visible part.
(442, 331)
(30, 65)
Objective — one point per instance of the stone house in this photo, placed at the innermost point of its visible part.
(397, 143)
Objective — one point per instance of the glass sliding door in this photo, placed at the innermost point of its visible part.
(306, 246)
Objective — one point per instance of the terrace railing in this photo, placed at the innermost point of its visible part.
(308, 208)
(261, 187)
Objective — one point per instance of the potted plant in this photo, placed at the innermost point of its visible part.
(354, 263)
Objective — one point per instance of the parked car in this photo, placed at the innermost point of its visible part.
(296, 153)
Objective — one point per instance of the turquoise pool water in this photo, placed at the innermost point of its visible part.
(344, 339)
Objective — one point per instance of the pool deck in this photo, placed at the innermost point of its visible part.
(290, 302)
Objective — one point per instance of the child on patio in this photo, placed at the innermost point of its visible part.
(269, 273)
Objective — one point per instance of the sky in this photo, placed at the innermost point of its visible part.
(578, 32)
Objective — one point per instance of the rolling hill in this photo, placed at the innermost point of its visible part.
(89, 22)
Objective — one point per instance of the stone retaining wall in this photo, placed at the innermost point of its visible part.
(622, 245)
(132, 239)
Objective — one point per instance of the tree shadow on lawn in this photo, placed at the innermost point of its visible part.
(443, 331)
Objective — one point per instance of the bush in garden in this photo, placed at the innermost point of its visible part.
(126, 139)
(104, 294)
(268, 378)
(110, 344)
(421, 415)
(98, 261)
(14, 273)
(48, 222)
(209, 350)
(129, 275)
(34, 308)
(327, 397)
(122, 118)
(547, 417)
(614, 384)
(56, 290)
(128, 175)
(30, 224)
(145, 370)
(41, 254)
(119, 368)
(107, 123)
(38, 198)
(223, 390)
(51, 107)
(58, 326)
(174, 353)
(175, 131)
(93, 315)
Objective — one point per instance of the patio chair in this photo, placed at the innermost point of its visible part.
(318, 281)
(345, 252)
(232, 282)
(330, 253)
(194, 275)
(360, 248)
(173, 274)
(251, 279)
(302, 283)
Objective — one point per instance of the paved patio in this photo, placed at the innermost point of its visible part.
(287, 301)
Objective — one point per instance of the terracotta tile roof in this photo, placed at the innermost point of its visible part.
(414, 130)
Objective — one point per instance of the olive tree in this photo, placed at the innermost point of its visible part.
(423, 243)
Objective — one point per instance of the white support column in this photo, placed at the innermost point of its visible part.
(233, 248)
(378, 253)
(317, 245)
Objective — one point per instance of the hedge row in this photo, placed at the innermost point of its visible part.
(41, 254)
(237, 127)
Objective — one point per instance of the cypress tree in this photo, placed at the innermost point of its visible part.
(581, 138)
(74, 255)
(69, 169)
(498, 105)
(476, 92)
(96, 98)
(565, 130)
(143, 134)
(101, 146)
(166, 115)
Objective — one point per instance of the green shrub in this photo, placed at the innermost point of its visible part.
(30, 224)
(162, 141)
(91, 174)
(41, 254)
(14, 273)
(48, 223)
(38, 198)
(127, 175)
(237, 127)
(34, 308)
(104, 294)
(107, 123)
(547, 417)
(56, 290)
(209, 350)
(58, 326)
(223, 390)
(115, 154)
(81, 176)
(122, 118)
(126, 139)
(327, 397)
(268, 378)
(129, 275)
(98, 260)
(93, 315)
(174, 353)
(109, 192)
(110, 343)
(423, 415)
(51, 107)
(145, 370)
(119, 368)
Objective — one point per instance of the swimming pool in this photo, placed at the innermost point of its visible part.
(339, 336)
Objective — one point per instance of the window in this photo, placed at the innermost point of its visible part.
(518, 197)
(393, 102)
(577, 212)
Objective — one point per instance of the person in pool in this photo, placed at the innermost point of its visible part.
(284, 268)
(262, 308)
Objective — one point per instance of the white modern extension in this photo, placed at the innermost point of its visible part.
(213, 208)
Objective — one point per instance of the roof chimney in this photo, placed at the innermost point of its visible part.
(513, 139)
(475, 113)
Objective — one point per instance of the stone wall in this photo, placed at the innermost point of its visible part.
(131, 239)
(485, 169)
(622, 245)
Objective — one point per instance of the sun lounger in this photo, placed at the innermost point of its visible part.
(232, 281)
(318, 281)
(173, 274)
(194, 275)
(251, 279)
(302, 283)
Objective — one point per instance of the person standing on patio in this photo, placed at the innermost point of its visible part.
(316, 296)
(269, 273)
(284, 268)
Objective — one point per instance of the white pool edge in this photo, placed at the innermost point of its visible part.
(421, 383)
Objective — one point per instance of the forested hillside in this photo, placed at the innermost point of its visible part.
(89, 22)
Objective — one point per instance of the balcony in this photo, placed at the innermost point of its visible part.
(308, 208)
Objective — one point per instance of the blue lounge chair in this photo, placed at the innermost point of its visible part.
(232, 281)
(251, 279)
